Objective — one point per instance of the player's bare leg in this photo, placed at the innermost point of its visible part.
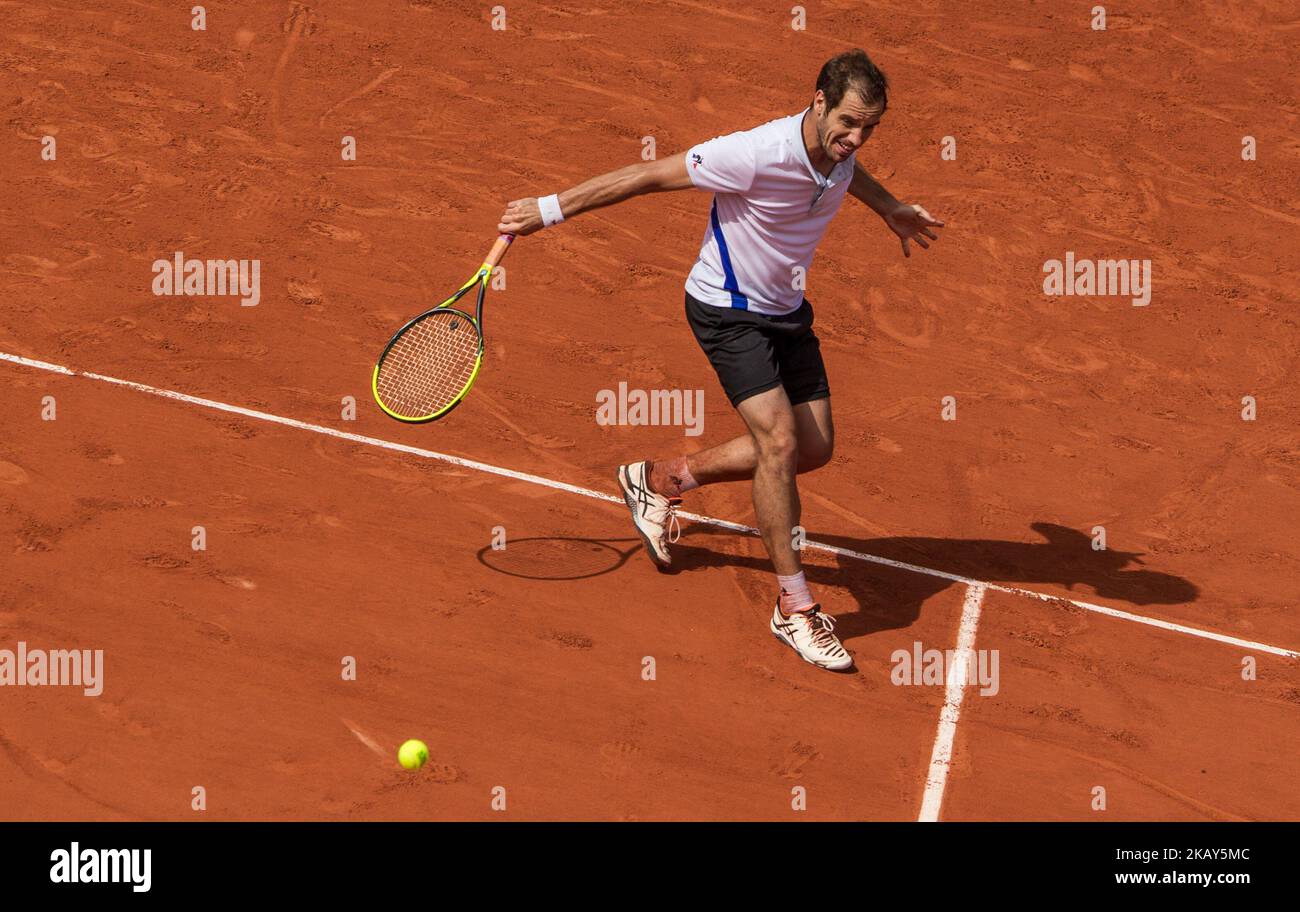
(783, 441)
(736, 459)
(770, 419)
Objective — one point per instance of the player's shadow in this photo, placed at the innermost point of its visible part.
(889, 597)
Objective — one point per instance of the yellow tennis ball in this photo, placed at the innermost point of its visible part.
(413, 754)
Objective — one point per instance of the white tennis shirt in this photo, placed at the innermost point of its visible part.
(770, 210)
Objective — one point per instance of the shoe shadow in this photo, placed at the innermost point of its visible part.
(889, 598)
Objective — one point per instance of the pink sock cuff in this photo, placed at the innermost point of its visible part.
(794, 593)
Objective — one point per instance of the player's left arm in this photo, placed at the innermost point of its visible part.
(910, 223)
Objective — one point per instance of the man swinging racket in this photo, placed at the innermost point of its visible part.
(775, 189)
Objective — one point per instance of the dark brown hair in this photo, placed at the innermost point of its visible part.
(852, 70)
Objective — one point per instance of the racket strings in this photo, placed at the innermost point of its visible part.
(428, 366)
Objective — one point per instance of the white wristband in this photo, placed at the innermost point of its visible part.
(550, 206)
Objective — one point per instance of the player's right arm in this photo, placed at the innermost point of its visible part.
(523, 216)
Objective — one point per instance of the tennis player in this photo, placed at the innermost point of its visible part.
(775, 189)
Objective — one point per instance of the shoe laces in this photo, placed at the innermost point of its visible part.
(665, 514)
(821, 627)
(674, 527)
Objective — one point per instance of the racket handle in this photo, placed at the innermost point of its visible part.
(498, 250)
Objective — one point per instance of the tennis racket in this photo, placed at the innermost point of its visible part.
(427, 368)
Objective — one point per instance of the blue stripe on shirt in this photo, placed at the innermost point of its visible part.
(738, 300)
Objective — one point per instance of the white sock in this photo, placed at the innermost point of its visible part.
(794, 593)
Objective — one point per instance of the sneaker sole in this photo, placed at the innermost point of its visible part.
(631, 506)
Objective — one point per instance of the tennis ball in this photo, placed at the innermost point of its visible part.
(413, 754)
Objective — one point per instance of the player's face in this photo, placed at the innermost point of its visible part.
(842, 131)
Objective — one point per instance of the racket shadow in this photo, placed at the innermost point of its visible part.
(558, 557)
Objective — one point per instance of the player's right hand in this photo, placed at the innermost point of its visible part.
(522, 216)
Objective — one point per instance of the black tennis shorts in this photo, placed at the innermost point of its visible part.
(753, 353)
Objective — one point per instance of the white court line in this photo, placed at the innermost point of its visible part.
(597, 495)
(941, 754)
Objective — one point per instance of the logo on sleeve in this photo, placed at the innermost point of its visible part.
(696, 159)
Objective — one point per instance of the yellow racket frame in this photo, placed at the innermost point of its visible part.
(481, 279)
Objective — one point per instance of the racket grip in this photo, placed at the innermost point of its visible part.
(498, 250)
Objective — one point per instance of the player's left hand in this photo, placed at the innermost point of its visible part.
(912, 223)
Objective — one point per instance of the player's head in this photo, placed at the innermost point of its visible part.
(851, 97)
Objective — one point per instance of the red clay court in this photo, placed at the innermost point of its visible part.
(329, 538)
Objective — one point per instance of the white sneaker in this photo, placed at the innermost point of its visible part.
(655, 516)
(809, 633)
